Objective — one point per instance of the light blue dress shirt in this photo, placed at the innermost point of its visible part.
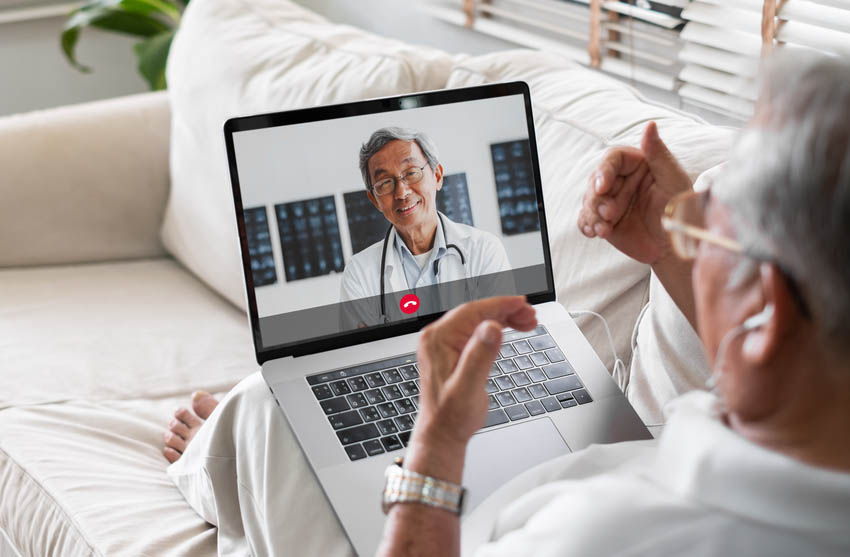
(418, 277)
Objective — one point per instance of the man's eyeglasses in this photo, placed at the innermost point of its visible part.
(412, 175)
(684, 221)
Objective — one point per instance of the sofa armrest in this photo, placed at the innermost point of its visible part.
(84, 183)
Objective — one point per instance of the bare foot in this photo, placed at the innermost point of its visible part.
(203, 404)
(184, 425)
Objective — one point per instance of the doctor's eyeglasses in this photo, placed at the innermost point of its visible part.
(412, 175)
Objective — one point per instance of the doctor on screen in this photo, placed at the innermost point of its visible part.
(421, 247)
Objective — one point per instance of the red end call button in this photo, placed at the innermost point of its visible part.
(409, 303)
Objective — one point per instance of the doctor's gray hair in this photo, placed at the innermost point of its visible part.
(383, 136)
(787, 184)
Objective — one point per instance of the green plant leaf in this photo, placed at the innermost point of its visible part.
(68, 40)
(153, 55)
(111, 16)
(136, 25)
(147, 7)
(139, 18)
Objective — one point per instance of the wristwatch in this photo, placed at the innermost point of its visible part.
(406, 486)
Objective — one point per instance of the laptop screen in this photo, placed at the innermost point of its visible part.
(370, 219)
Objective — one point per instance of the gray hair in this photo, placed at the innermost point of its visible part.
(383, 136)
(788, 184)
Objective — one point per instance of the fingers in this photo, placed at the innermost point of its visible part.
(663, 165)
(617, 162)
(523, 320)
(513, 311)
(655, 150)
(477, 359)
(600, 214)
(441, 342)
(610, 191)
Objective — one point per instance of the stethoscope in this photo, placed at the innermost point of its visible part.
(436, 262)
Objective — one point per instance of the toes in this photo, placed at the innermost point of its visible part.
(606, 211)
(601, 229)
(181, 429)
(175, 442)
(187, 417)
(170, 454)
(203, 404)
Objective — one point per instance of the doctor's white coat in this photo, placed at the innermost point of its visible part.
(483, 252)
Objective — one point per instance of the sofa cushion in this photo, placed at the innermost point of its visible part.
(579, 114)
(260, 56)
(88, 478)
(56, 162)
(116, 331)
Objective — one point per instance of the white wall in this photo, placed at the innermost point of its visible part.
(282, 164)
(403, 20)
(35, 75)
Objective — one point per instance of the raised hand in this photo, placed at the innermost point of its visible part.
(455, 357)
(626, 196)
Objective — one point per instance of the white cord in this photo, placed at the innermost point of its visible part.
(619, 366)
(637, 326)
(618, 363)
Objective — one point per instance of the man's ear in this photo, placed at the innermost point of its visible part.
(438, 174)
(762, 343)
(371, 197)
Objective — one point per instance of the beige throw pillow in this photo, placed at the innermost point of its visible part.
(241, 57)
(579, 114)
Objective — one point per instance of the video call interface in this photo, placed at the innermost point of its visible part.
(450, 214)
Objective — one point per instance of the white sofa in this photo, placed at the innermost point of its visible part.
(120, 285)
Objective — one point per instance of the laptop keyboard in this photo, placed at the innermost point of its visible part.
(372, 407)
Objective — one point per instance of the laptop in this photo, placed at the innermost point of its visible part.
(336, 295)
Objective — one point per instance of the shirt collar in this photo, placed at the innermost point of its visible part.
(439, 243)
(702, 459)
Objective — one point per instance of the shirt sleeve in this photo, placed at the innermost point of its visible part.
(567, 506)
(495, 258)
(492, 277)
(351, 288)
(355, 310)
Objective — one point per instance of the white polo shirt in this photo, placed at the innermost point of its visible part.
(700, 490)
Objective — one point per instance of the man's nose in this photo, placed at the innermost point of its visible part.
(402, 190)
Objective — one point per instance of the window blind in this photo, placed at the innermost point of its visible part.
(706, 52)
(723, 41)
(636, 41)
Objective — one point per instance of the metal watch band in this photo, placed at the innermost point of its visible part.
(407, 486)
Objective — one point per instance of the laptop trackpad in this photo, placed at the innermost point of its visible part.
(494, 457)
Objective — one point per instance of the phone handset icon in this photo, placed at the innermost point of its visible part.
(409, 303)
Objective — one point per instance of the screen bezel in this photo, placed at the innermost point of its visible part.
(362, 108)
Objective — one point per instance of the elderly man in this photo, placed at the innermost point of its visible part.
(422, 247)
(761, 466)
